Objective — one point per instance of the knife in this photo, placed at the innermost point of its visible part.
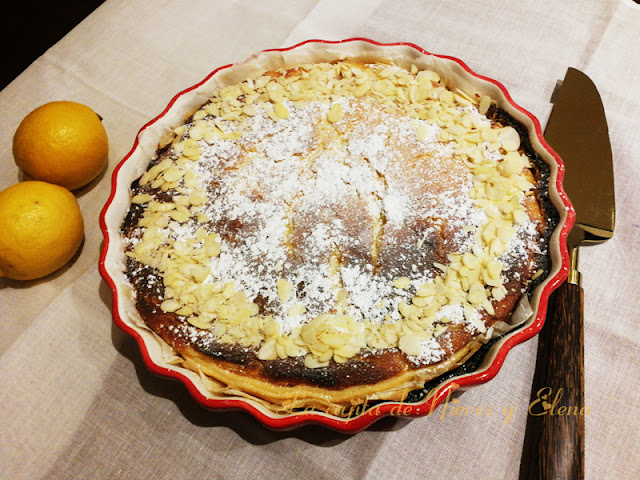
(577, 131)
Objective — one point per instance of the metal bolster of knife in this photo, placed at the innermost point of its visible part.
(574, 241)
(582, 236)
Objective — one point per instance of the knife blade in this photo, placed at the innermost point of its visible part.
(577, 130)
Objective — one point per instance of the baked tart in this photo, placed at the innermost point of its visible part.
(336, 233)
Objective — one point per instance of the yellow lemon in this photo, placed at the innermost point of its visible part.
(63, 143)
(41, 228)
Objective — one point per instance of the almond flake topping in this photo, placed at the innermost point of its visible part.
(204, 276)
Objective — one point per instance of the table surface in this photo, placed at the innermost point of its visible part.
(78, 401)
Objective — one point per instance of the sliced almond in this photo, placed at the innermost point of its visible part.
(285, 289)
(335, 113)
(402, 282)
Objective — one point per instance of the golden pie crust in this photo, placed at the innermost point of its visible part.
(337, 233)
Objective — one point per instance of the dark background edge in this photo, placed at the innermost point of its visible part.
(29, 29)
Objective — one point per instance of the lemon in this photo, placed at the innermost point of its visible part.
(63, 143)
(42, 228)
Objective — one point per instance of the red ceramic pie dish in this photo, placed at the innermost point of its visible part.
(483, 366)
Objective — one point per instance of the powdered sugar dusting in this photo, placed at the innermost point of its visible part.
(282, 197)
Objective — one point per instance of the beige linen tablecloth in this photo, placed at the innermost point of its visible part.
(76, 400)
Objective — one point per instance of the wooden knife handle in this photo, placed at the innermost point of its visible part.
(554, 439)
